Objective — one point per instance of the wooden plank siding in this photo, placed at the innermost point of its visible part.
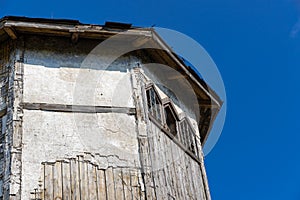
(79, 179)
(176, 174)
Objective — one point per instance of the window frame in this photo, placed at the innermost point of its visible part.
(175, 116)
(160, 108)
(191, 136)
(162, 124)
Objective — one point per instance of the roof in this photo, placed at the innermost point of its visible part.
(11, 27)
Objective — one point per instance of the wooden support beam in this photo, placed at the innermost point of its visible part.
(78, 108)
(11, 32)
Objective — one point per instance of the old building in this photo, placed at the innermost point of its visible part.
(99, 112)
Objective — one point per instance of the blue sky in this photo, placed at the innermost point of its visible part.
(256, 46)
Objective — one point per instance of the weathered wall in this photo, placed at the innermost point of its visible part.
(108, 134)
(48, 136)
(55, 135)
(11, 79)
(54, 76)
(76, 86)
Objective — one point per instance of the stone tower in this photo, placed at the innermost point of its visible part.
(94, 112)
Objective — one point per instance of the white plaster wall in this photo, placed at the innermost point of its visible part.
(76, 86)
(50, 136)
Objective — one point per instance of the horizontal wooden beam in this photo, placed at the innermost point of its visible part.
(78, 108)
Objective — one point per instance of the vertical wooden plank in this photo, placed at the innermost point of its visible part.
(118, 183)
(164, 172)
(175, 151)
(48, 181)
(183, 176)
(187, 178)
(83, 180)
(146, 165)
(171, 168)
(196, 180)
(74, 174)
(80, 177)
(168, 170)
(152, 163)
(110, 186)
(66, 180)
(161, 178)
(201, 189)
(135, 187)
(57, 184)
(149, 186)
(157, 163)
(126, 184)
(96, 170)
(88, 177)
(191, 176)
(141, 189)
(144, 150)
(101, 184)
(180, 167)
(93, 182)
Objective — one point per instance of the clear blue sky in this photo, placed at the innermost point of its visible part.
(256, 45)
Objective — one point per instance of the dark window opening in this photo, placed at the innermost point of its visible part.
(170, 121)
(154, 106)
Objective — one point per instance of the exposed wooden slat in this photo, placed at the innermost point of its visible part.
(196, 180)
(118, 180)
(74, 174)
(83, 180)
(66, 180)
(93, 182)
(174, 166)
(160, 184)
(110, 186)
(156, 162)
(126, 184)
(136, 190)
(168, 169)
(57, 183)
(101, 184)
(48, 181)
(180, 165)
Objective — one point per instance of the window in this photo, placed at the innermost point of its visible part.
(170, 120)
(181, 132)
(188, 136)
(154, 104)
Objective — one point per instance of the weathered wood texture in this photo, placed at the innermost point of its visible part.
(176, 175)
(79, 179)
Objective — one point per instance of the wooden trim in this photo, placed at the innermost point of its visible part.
(78, 108)
(10, 31)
